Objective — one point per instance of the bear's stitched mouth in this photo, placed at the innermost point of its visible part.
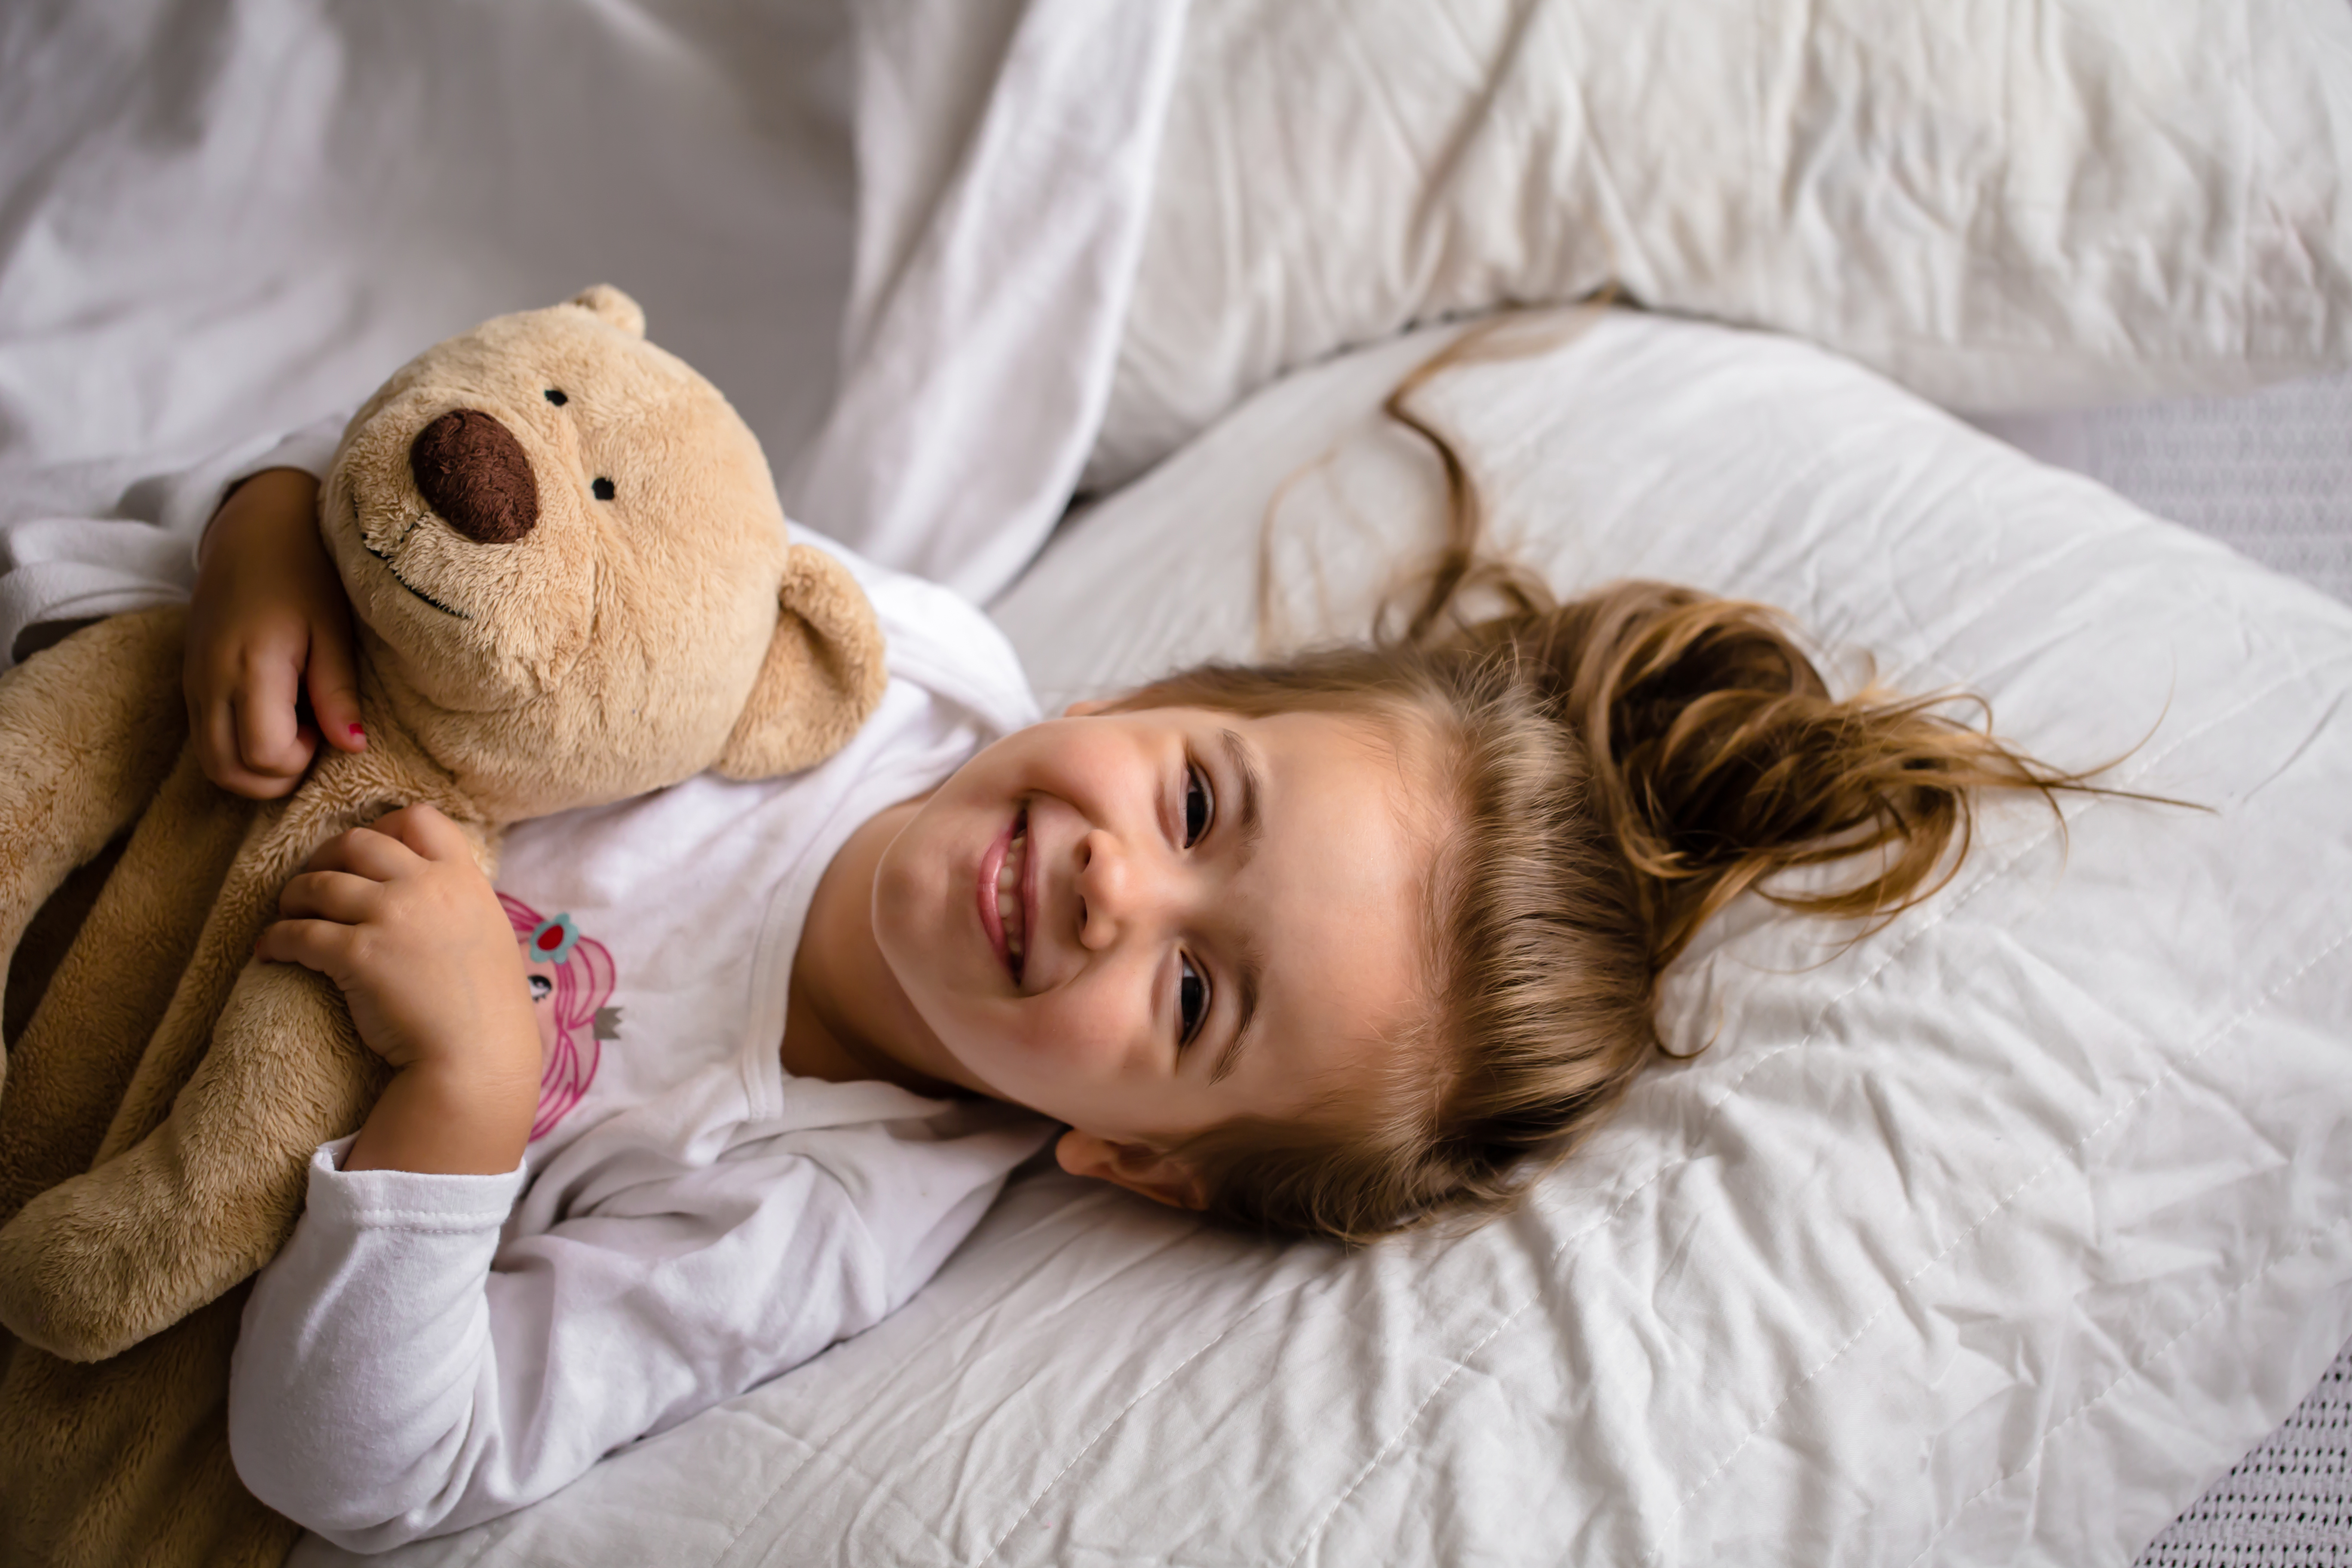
(380, 555)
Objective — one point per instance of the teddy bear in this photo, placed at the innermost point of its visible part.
(571, 583)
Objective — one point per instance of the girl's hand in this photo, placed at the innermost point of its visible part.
(269, 620)
(401, 919)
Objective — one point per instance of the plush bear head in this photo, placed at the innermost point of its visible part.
(571, 573)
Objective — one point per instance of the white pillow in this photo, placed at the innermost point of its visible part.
(2005, 206)
(1991, 1239)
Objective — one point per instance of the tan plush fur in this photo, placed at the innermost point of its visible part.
(636, 616)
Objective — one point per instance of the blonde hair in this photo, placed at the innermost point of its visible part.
(1618, 767)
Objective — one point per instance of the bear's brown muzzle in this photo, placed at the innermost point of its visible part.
(472, 472)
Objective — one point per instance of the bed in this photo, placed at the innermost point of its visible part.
(1995, 1235)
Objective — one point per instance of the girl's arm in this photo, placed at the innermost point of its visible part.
(269, 624)
(421, 1357)
(402, 1371)
(395, 1375)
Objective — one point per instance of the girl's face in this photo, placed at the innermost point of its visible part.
(1148, 923)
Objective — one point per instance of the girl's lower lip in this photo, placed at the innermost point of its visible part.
(990, 922)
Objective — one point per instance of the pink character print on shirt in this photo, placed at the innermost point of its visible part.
(571, 980)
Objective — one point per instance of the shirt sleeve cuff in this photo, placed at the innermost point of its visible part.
(409, 1200)
(310, 448)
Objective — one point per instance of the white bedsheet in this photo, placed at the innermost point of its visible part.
(223, 220)
(220, 224)
(219, 221)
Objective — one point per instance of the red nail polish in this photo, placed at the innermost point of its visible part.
(358, 734)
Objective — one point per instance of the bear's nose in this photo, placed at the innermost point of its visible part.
(472, 471)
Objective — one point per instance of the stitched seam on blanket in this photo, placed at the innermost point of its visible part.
(974, 1310)
(2170, 1075)
(1105, 1430)
(1410, 1421)
(876, 1487)
(882, 1488)
(1462, 1360)
(2136, 1369)
(2149, 765)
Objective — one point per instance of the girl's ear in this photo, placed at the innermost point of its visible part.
(1139, 1169)
(1083, 709)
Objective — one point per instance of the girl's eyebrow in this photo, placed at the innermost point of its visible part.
(1244, 762)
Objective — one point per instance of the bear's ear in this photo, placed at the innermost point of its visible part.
(601, 300)
(822, 676)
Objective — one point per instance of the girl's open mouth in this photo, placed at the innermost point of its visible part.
(1002, 906)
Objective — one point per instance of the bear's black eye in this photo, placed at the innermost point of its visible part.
(556, 398)
(603, 489)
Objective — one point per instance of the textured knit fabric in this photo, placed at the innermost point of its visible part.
(2288, 1504)
(2268, 474)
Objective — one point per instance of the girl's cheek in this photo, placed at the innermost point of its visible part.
(1085, 1032)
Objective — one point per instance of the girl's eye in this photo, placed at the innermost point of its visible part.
(1191, 1002)
(1197, 805)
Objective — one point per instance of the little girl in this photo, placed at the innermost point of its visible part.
(1334, 947)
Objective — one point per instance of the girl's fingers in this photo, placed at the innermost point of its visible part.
(427, 832)
(366, 852)
(393, 844)
(321, 945)
(215, 743)
(334, 687)
(268, 738)
(214, 731)
(337, 896)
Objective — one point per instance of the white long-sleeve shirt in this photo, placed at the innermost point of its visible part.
(431, 1351)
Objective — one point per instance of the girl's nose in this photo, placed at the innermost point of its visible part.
(1117, 892)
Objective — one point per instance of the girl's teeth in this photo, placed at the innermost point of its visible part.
(1008, 892)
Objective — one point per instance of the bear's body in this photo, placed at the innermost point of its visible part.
(572, 584)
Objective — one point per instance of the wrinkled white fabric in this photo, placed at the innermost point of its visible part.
(227, 222)
(223, 220)
(2004, 204)
(1004, 152)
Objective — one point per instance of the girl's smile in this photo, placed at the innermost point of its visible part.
(1006, 894)
(1148, 923)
